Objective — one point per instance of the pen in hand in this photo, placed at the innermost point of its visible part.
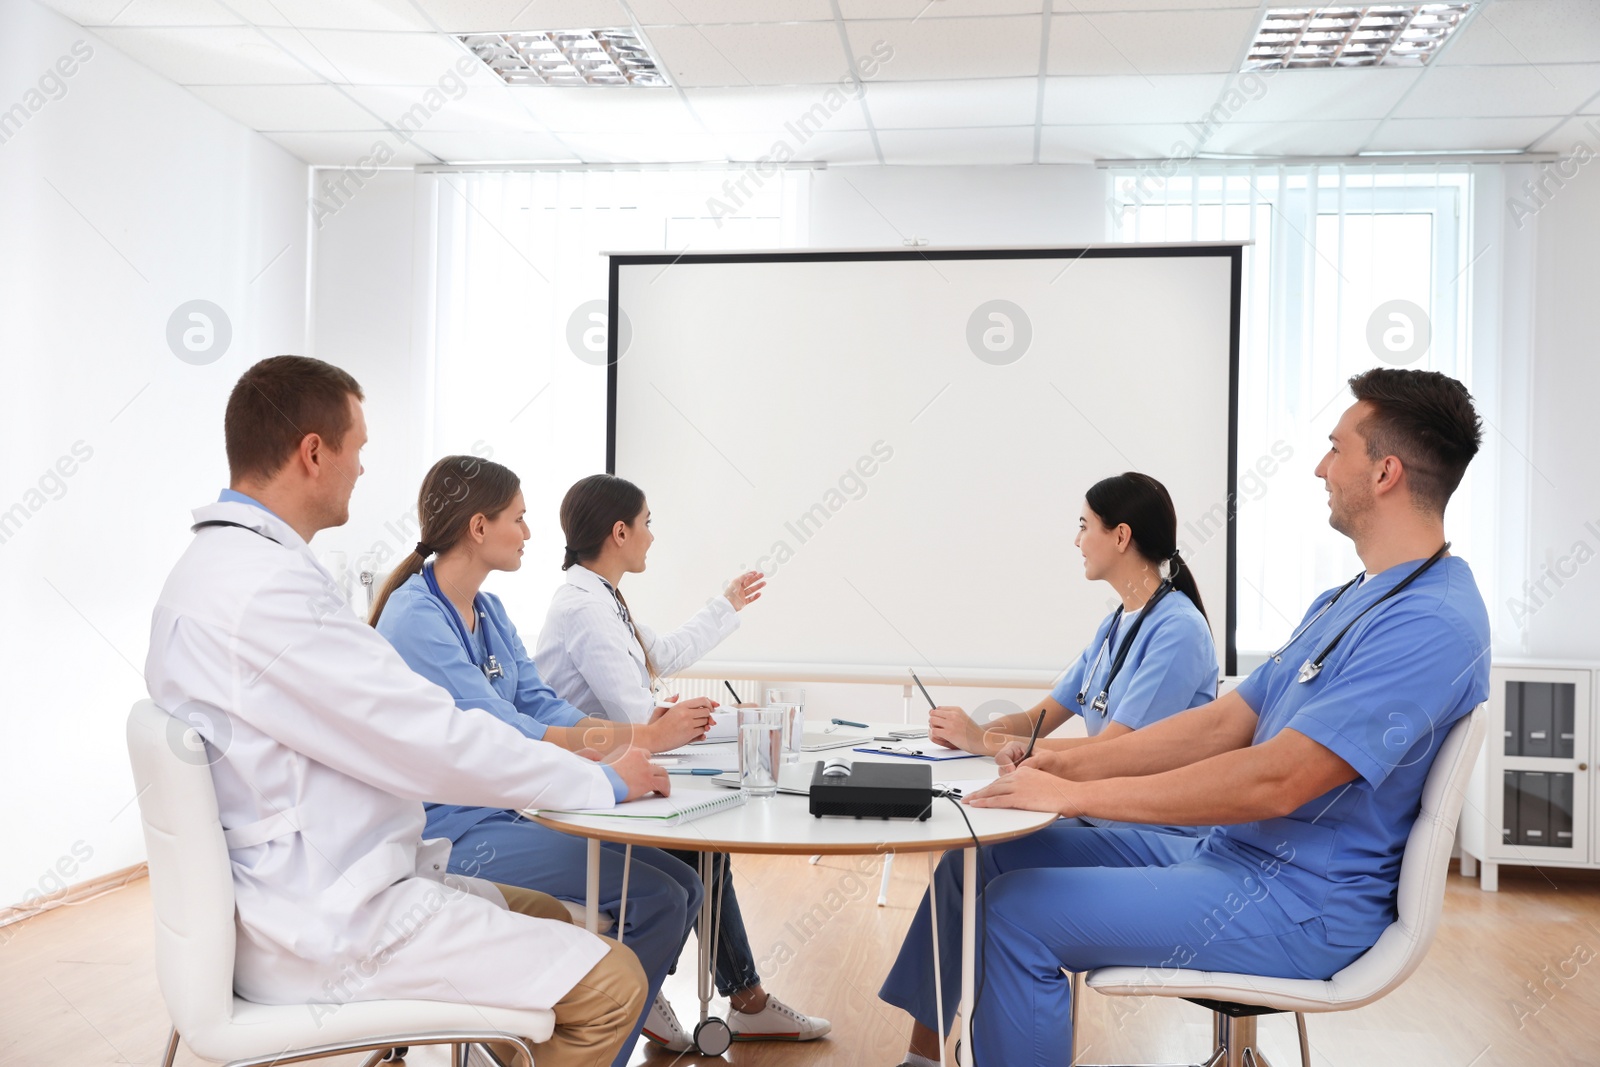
(924, 689)
(1033, 738)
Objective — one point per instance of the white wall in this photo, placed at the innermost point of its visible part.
(121, 197)
(1561, 611)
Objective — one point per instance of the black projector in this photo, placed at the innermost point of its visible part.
(872, 790)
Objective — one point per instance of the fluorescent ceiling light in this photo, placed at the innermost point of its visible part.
(566, 57)
(1366, 35)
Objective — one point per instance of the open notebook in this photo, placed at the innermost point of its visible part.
(687, 806)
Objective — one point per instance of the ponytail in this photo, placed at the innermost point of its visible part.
(1183, 581)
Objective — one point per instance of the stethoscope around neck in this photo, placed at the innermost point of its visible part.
(1313, 667)
(490, 667)
(1103, 701)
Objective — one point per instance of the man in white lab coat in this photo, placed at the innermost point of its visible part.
(324, 744)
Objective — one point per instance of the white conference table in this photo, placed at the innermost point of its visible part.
(783, 825)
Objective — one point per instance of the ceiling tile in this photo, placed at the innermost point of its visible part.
(942, 49)
(482, 104)
(769, 109)
(607, 110)
(788, 53)
(388, 15)
(145, 12)
(1470, 92)
(493, 16)
(210, 56)
(1130, 98)
(1085, 144)
(1150, 43)
(360, 57)
(700, 12)
(1336, 137)
(1529, 31)
(1444, 135)
(1568, 135)
(933, 9)
(479, 147)
(1303, 95)
(953, 104)
(996, 146)
(348, 149)
(286, 107)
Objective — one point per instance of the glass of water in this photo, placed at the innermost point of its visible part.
(760, 750)
(793, 703)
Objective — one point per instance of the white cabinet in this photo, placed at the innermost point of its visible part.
(1531, 799)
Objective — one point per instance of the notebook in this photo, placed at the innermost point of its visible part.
(686, 806)
(923, 750)
(819, 741)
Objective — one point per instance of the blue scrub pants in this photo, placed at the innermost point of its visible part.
(1078, 897)
(663, 892)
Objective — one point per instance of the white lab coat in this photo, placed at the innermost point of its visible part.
(589, 655)
(325, 745)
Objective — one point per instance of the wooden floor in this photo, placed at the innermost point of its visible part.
(77, 985)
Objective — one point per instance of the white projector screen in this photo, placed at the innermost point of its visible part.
(902, 441)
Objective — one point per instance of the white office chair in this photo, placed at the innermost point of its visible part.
(191, 891)
(1236, 999)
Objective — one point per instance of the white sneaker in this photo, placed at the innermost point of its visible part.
(661, 1026)
(776, 1022)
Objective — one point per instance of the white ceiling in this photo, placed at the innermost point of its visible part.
(968, 81)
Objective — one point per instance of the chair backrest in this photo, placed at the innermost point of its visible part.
(1423, 871)
(191, 880)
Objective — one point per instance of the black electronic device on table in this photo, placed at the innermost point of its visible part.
(872, 790)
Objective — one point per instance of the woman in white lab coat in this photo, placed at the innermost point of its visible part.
(595, 654)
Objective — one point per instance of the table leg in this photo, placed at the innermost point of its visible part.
(591, 900)
(938, 977)
(969, 925)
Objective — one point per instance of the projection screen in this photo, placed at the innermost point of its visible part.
(902, 440)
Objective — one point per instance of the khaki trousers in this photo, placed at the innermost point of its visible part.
(598, 1014)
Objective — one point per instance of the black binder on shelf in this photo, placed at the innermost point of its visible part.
(1538, 726)
(1533, 815)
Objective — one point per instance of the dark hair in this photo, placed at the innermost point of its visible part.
(455, 489)
(589, 512)
(1146, 506)
(276, 403)
(1427, 421)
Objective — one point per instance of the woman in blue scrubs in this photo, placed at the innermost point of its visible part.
(1151, 657)
(458, 637)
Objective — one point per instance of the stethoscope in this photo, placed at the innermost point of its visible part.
(1102, 702)
(490, 667)
(1313, 667)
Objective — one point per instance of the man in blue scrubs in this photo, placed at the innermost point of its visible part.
(1312, 778)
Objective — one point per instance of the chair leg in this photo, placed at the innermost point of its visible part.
(1305, 1042)
(172, 1048)
(1072, 1013)
(883, 886)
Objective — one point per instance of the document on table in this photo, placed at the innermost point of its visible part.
(674, 810)
(923, 750)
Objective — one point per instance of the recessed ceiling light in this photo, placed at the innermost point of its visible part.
(566, 57)
(1367, 35)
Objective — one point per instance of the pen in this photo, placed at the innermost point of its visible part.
(731, 689)
(922, 687)
(847, 722)
(697, 771)
(1035, 736)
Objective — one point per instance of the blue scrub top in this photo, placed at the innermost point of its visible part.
(1386, 698)
(1171, 667)
(419, 626)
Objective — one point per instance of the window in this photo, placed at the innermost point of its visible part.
(1348, 268)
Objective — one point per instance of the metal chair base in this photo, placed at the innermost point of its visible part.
(460, 1045)
(1233, 1033)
